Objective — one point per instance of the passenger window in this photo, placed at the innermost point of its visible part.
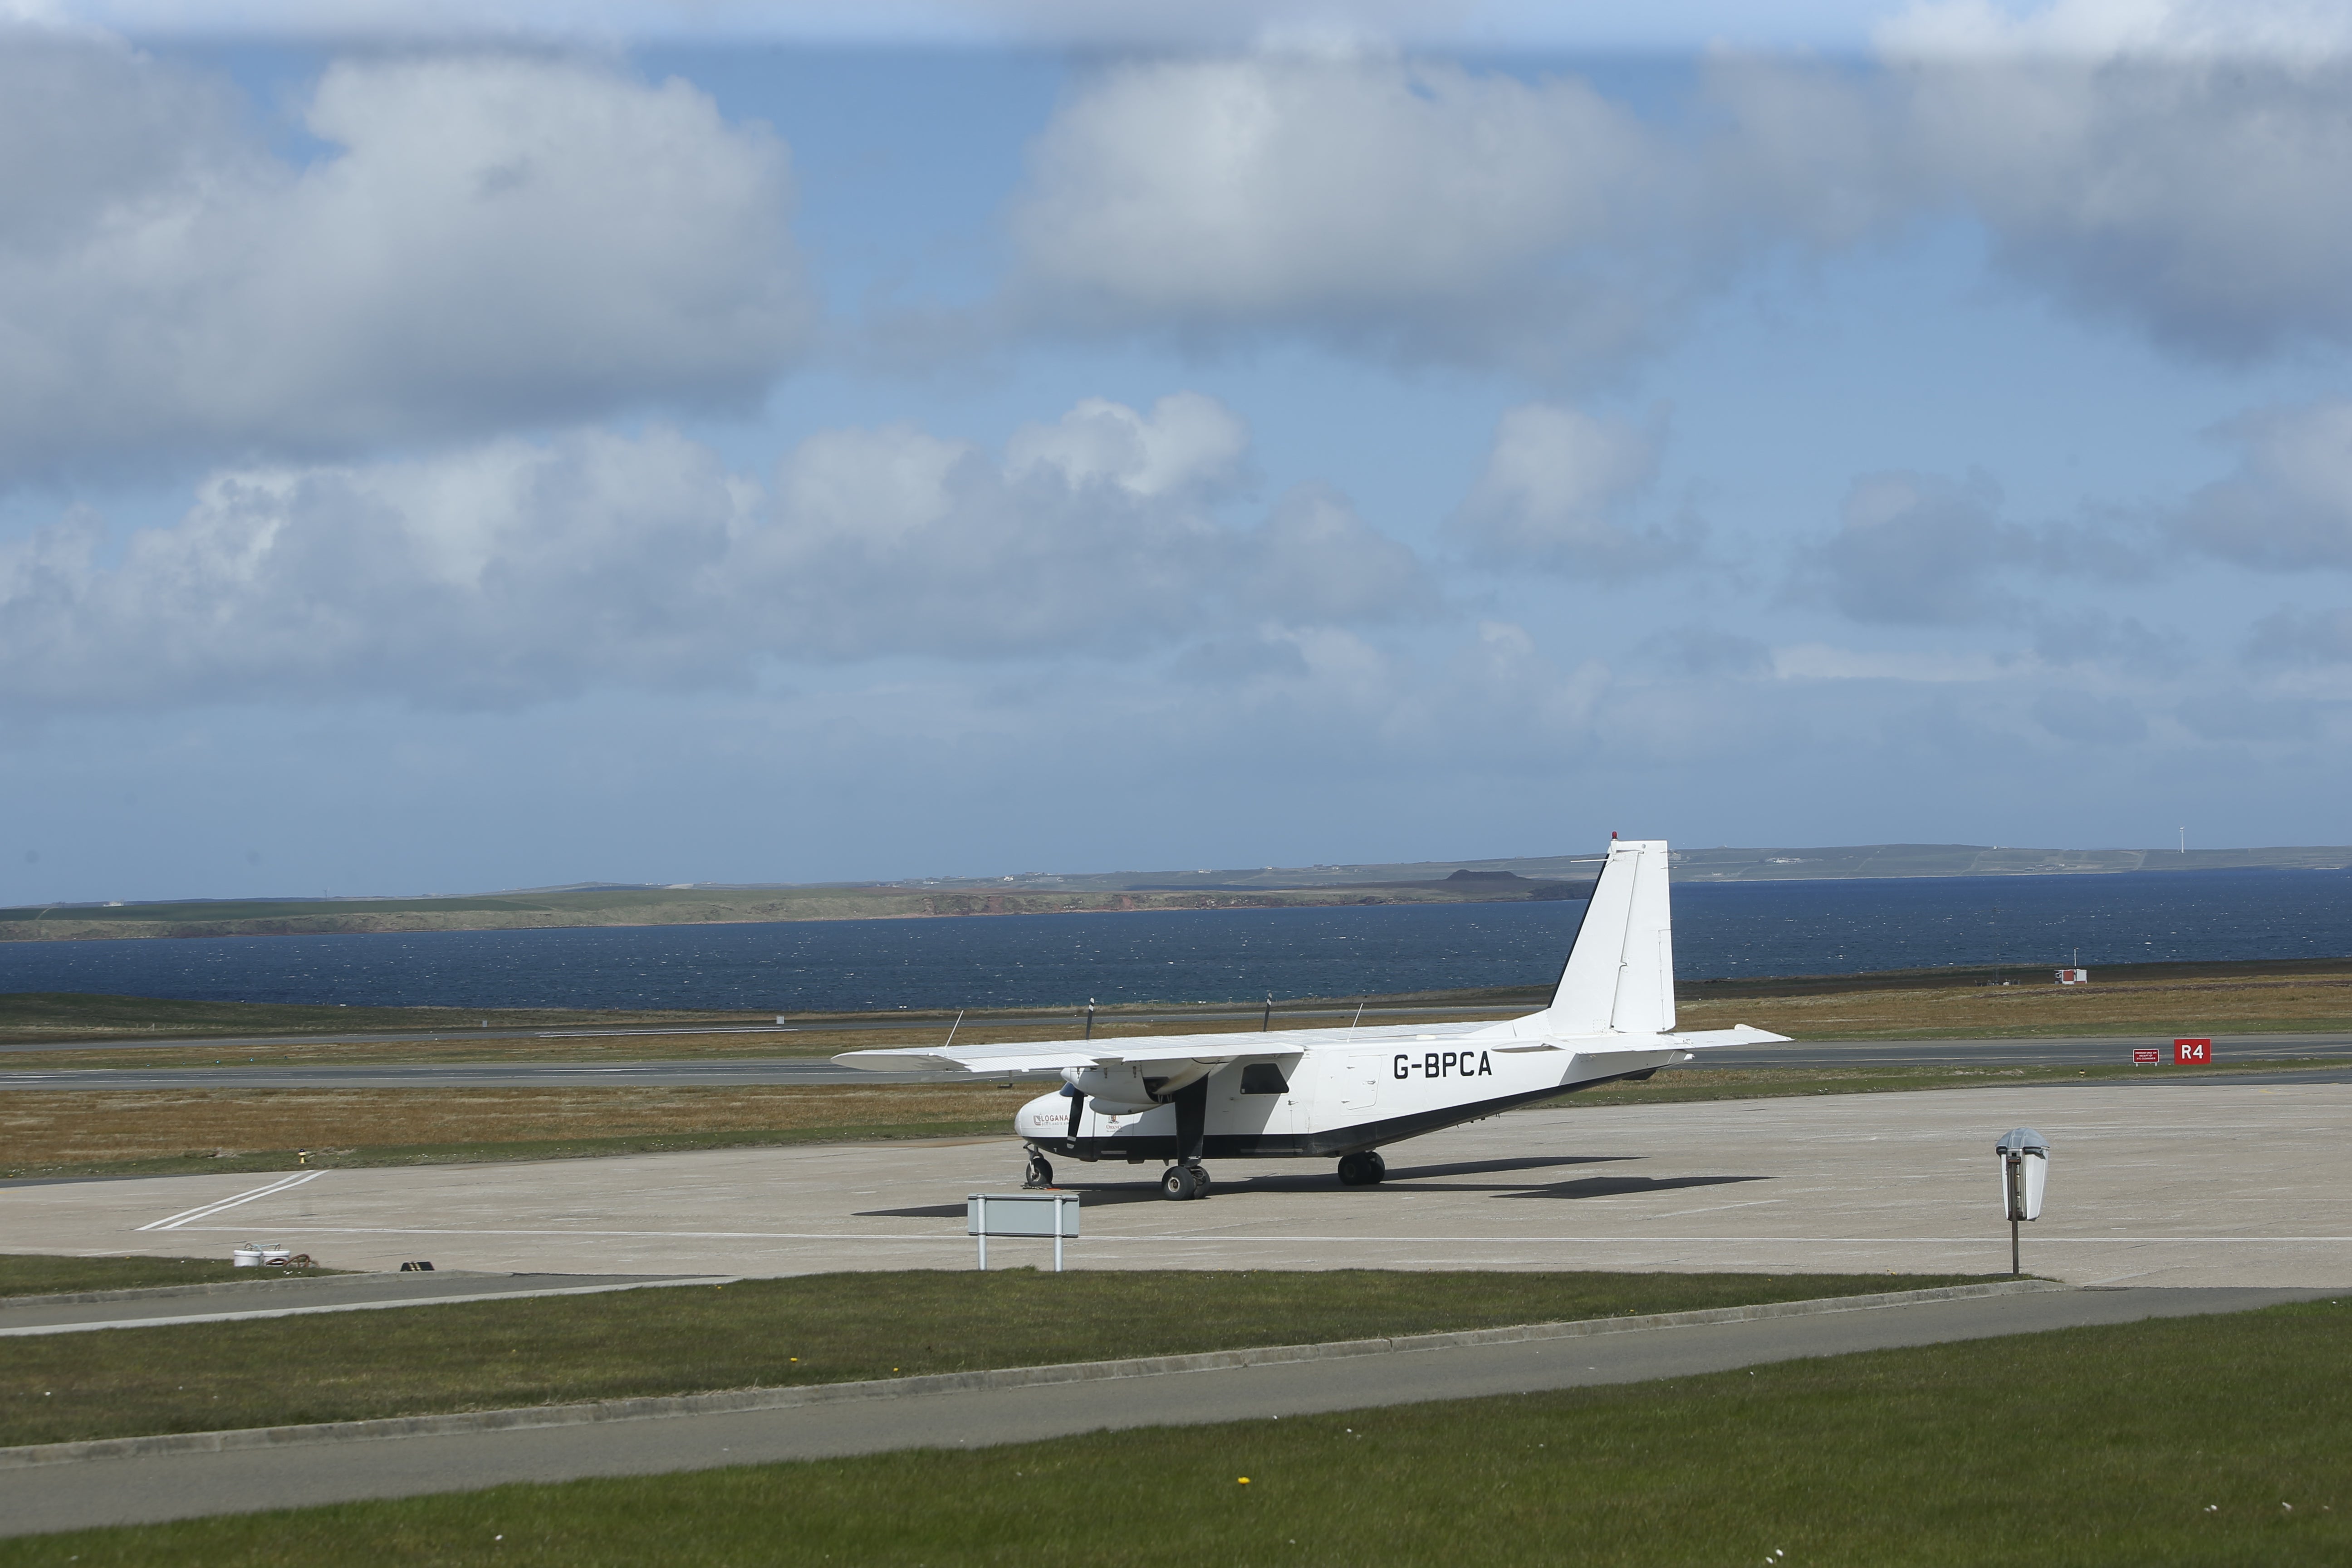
(1263, 1078)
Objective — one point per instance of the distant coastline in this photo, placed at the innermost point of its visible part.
(1515, 879)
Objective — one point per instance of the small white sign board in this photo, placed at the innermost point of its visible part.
(1021, 1214)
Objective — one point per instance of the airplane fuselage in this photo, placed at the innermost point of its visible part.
(1330, 1100)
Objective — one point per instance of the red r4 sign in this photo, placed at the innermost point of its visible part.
(2191, 1053)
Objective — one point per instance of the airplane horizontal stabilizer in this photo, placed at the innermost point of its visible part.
(1738, 1035)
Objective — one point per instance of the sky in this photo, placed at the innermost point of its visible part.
(446, 448)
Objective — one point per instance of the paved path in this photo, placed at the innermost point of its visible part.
(135, 1490)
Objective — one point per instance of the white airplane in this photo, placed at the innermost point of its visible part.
(1316, 1093)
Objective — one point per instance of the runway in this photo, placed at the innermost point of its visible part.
(745, 1072)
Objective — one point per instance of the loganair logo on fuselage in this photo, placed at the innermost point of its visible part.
(1444, 1064)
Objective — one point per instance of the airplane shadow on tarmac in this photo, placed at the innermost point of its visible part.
(1112, 1195)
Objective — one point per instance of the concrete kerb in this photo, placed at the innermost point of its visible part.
(744, 1399)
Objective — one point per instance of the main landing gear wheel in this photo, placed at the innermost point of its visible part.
(1040, 1173)
(1183, 1182)
(1362, 1170)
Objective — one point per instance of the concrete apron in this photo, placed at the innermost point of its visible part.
(2173, 1184)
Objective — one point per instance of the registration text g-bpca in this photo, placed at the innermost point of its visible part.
(1445, 1064)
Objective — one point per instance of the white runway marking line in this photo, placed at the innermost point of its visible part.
(206, 1211)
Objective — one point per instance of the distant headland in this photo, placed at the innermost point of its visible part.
(1509, 879)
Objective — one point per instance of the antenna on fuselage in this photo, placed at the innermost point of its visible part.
(953, 1027)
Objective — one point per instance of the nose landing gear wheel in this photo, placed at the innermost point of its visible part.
(1361, 1170)
(1181, 1183)
(1040, 1173)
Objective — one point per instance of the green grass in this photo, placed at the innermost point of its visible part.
(31, 1274)
(833, 1328)
(2174, 1442)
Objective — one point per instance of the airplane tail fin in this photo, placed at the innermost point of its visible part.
(1620, 976)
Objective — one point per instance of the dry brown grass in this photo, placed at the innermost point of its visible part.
(2289, 1005)
(44, 1129)
(809, 1041)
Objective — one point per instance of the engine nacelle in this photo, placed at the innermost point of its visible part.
(1123, 1088)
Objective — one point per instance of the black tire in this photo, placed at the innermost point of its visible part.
(1352, 1173)
(1178, 1185)
(1375, 1168)
(1200, 1181)
(1040, 1173)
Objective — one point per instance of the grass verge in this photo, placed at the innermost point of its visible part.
(826, 1328)
(34, 1274)
(2186, 1441)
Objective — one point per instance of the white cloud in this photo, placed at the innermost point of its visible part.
(1949, 29)
(515, 572)
(1554, 494)
(1299, 691)
(2094, 721)
(1415, 209)
(1190, 442)
(487, 241)
(2200, 199)
(2288, 506)
(2156, 164)
(2303, 636)
(1823, 661)
(1919, 550)
(1135, 24)
(2238, 716)
(1705, 652)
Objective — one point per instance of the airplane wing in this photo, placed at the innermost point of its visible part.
(1053, 1055)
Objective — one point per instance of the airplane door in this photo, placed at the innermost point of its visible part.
(1254, 1100)
(1357, 1087)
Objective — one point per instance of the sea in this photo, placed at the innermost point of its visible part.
(1722, 929)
